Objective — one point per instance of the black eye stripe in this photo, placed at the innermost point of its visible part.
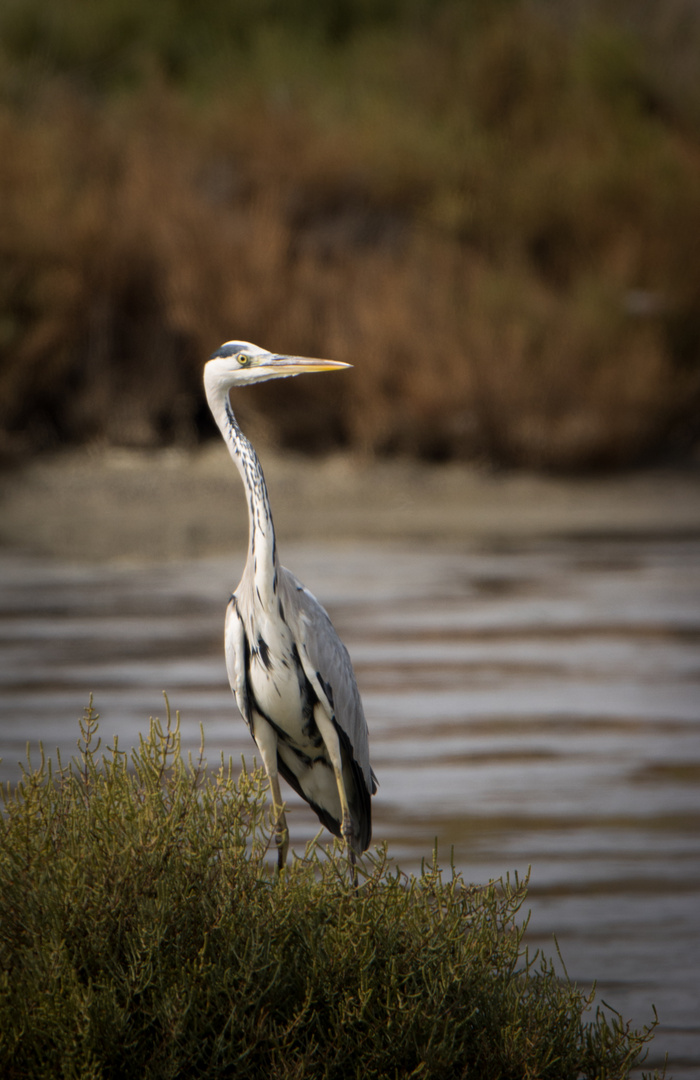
(224, 352)
(228, 350)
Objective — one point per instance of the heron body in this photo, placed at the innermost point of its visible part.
(291, 676)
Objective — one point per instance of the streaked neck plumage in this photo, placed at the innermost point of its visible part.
(262, 549)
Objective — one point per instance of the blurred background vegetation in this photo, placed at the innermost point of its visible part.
(490, 207)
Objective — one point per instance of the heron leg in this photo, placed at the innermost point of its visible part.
(330, 738)
(281, 830)
(267, 745)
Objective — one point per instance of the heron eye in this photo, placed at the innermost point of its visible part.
(243, 359)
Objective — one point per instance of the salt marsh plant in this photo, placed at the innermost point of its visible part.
(144, 933)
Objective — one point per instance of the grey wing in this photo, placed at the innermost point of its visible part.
(331, 663)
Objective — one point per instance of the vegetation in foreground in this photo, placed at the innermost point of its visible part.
(491, 209)
(143, 933)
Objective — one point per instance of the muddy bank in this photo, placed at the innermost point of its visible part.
(173, 504)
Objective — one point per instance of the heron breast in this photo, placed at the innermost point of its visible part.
(281, 691)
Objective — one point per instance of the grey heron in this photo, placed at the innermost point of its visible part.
(291, 675)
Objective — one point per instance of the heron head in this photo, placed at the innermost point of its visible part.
(239, 363)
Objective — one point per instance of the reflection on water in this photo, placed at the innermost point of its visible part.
(529, 706)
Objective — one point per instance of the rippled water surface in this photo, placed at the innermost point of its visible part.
(531, 705)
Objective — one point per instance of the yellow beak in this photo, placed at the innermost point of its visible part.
(298, 365)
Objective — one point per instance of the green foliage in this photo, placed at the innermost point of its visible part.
(107, 41)
(143, 933)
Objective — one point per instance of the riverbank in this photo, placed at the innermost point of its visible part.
(512, 282)
(118, 504)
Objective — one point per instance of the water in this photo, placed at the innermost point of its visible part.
(534, 704)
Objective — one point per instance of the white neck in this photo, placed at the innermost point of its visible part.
(262, 552)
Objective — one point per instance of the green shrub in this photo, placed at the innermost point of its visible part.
(144, 933)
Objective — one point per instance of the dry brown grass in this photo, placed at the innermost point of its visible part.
(508, 258)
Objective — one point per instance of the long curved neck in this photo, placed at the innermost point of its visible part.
(262, 548)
